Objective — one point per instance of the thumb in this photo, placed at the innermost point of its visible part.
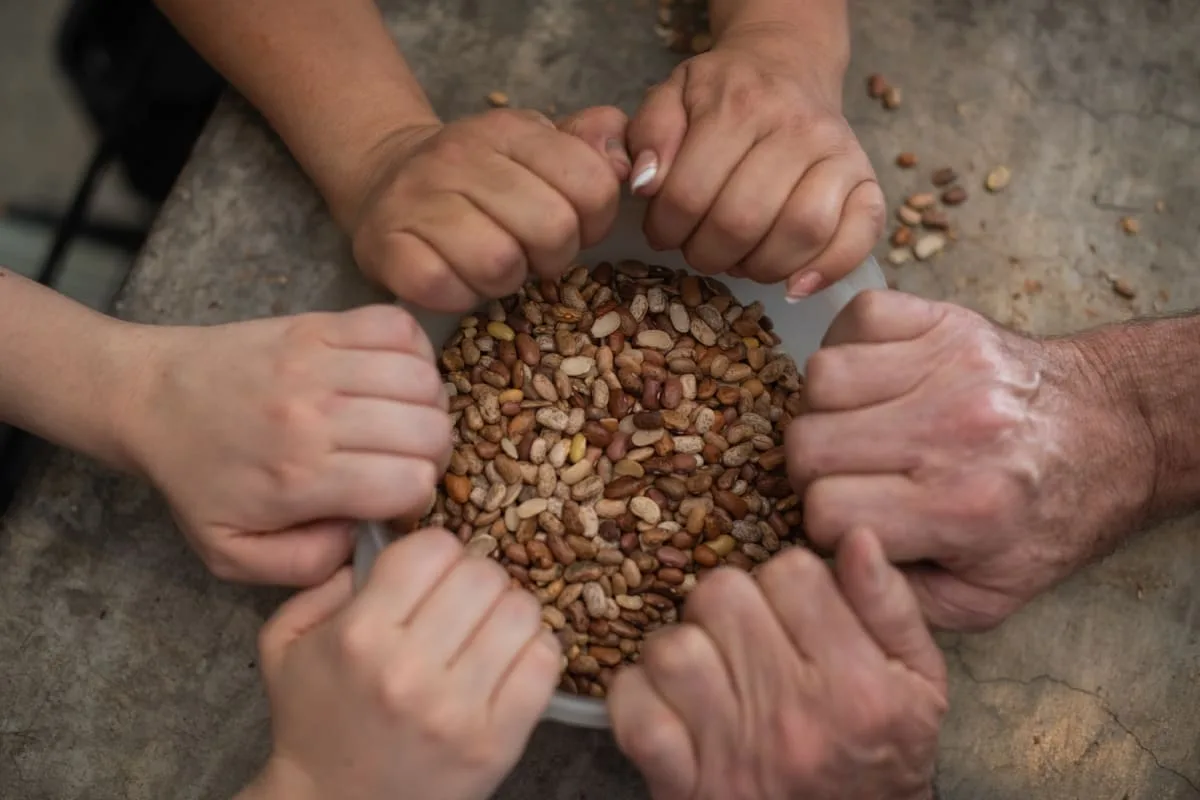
(950, 603)
(301, 556)
(603, 128)
(886, 605)
(655, 135)
(299, 615)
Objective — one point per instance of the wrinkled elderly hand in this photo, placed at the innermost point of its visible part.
(461, 212)
(752, 166)
(797, 686)
(992, 464)
(270, 437)
(427, 684)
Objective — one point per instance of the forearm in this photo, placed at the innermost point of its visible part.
(817, 31)
(66, 372)
(325, 73)
(1151, 368)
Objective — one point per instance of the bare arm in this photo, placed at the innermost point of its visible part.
(1152, 368)
(325, 73)
(66, 372)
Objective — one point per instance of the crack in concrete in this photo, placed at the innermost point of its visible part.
(1047, 678)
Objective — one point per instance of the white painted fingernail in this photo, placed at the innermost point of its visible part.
(643, 178)
(791, 301)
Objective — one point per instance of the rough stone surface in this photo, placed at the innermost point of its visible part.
(126, 672)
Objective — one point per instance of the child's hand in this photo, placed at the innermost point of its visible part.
(425, 685)
(269, 438)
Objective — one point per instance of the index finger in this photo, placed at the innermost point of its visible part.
(652, 736)
(814, 613)
(570, 166)
(379, 327)
(405, 573)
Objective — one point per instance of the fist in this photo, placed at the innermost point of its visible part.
(753, 169)
(799, 685)
(427, 684)
(269, 438)
(463, 212)
(991, 464)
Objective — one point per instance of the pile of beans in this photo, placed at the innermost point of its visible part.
(617, 434)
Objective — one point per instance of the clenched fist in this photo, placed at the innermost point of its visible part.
(752, 167)
(461, 212)
(991, 464)
(427, 684)
(270, 438)
(802, 685)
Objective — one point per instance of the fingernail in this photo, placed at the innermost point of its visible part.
(644, 170)
(803, 285)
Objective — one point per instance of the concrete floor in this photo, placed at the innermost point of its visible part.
(128, 672)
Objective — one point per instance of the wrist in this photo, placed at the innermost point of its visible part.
(376, 167)
(130, 364)
(1120, 443)
(811, 37)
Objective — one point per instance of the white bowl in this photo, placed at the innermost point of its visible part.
(801, 327)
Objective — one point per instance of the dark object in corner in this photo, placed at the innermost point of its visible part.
(148, 96)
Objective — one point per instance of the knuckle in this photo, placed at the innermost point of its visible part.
(523, 608)
(402, 691)
(649, 737)
(676, 651)
(801, 442)
(483, 753)
(714, 591)
(824, 370)
(290, 473)
(822, 517)
(811, 220)
(868, 306)
(560, 223)
(684, 199)
(454, 151)
(874, 708)
(869, 200)
(796, 566)
(407, 332)
(743, 222)
(355, 639)
(987, 500)
(223, 567)
(500, 262)
(808, 764)
(598, 191)
(426, 375)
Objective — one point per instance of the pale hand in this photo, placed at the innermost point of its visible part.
(797, 685)
(269, 438)
(426, 684)
(992, 464)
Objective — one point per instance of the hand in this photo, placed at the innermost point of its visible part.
(753, 168)
(789, 687)
(991, 463)
(427, 684)
(464, 211)
(270, 437)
